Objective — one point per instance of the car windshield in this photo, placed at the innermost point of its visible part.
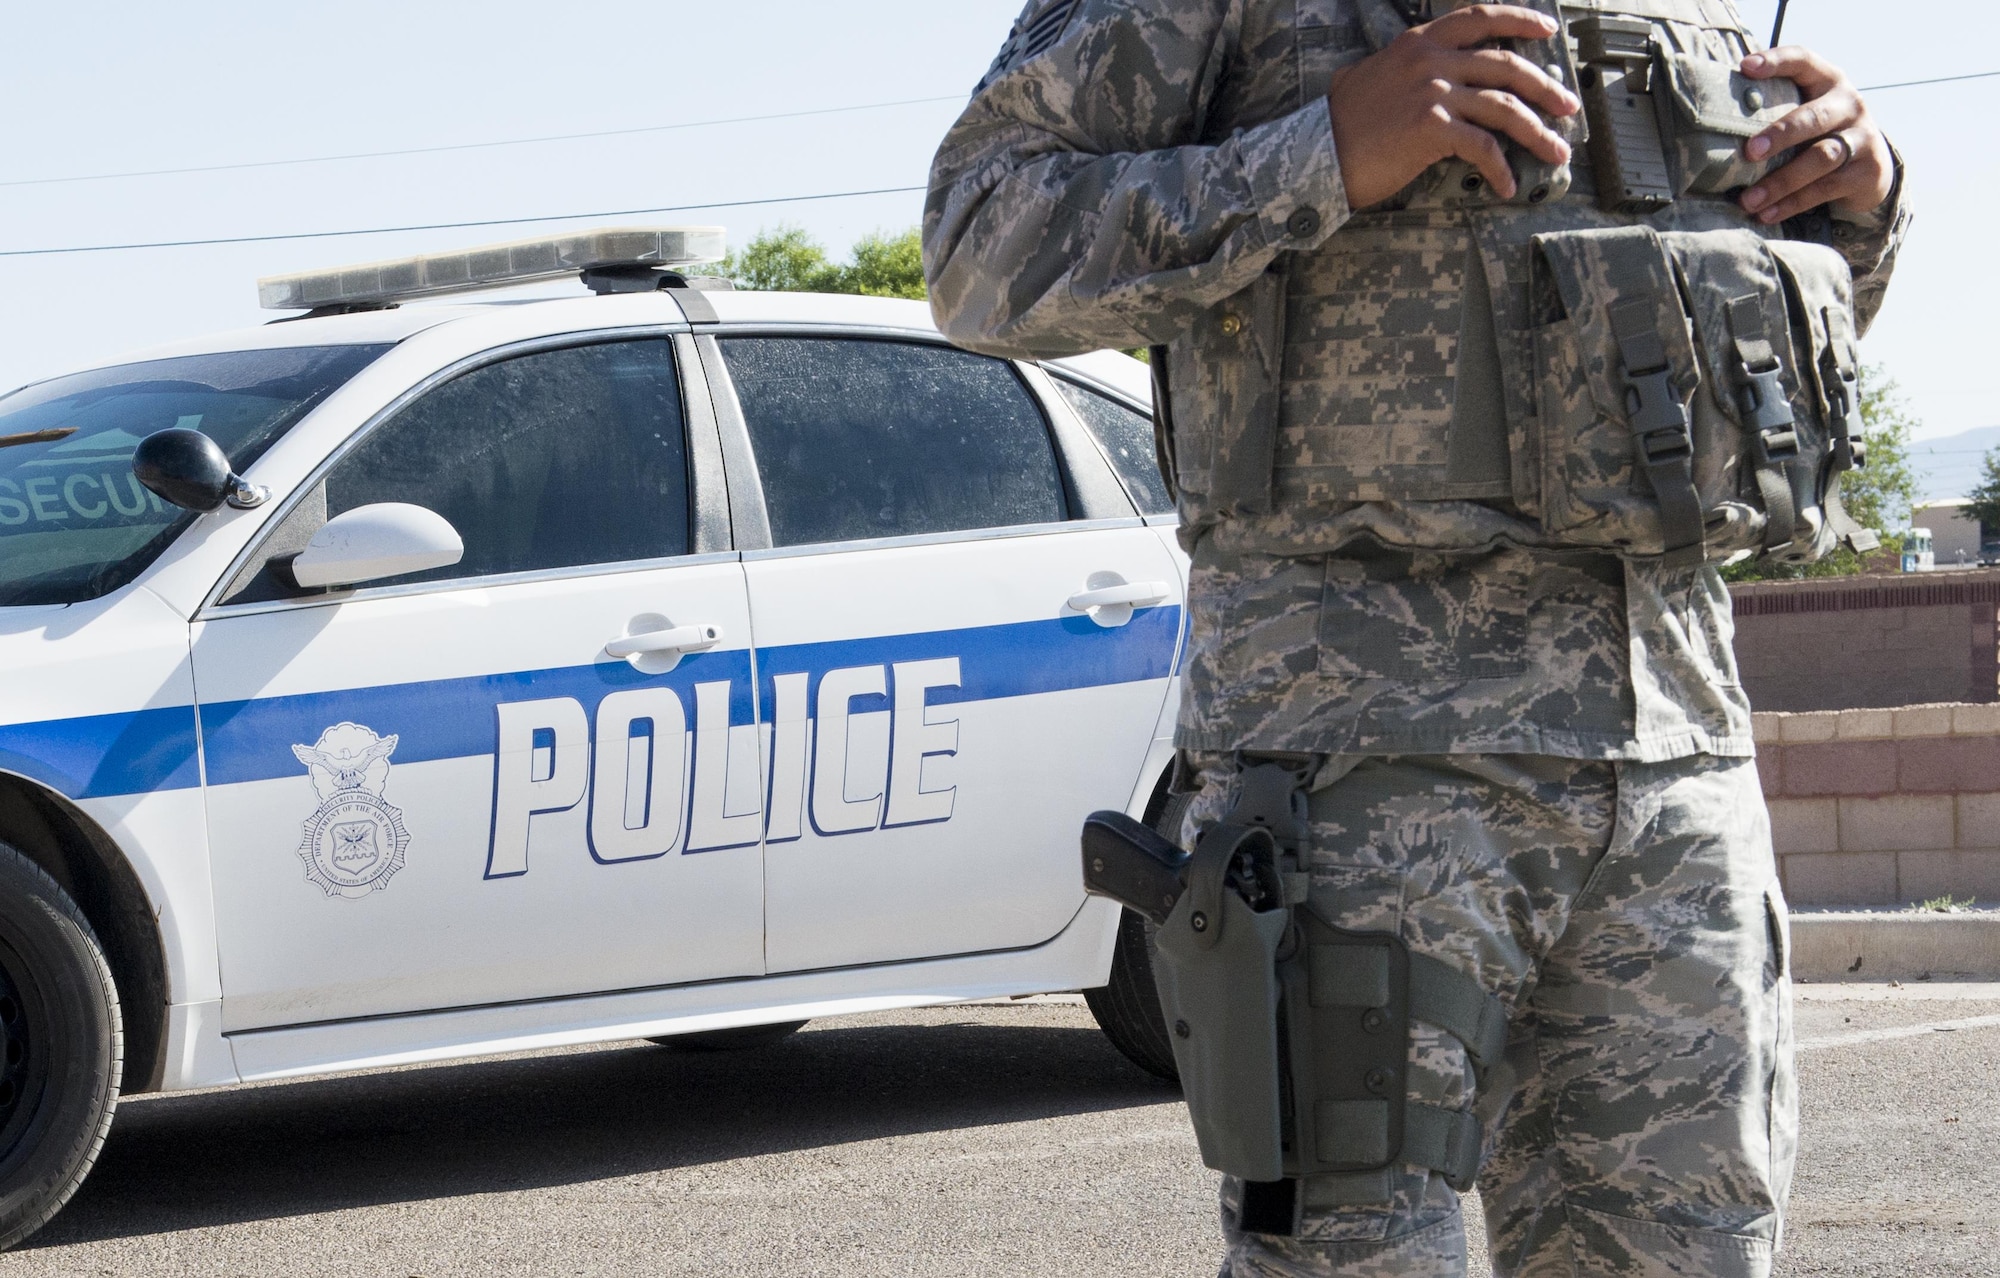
(75, 523)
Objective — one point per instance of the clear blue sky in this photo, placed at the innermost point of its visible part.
(100, 88)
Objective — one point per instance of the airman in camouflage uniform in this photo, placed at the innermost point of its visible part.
(1533, 755)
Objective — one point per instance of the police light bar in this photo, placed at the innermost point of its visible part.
(520, 262)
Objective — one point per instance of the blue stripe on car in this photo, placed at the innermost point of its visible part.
(453, 718)
(105, 754)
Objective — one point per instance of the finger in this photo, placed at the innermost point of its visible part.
(1483, 151)
(1813, 74)
(1503, 113)
(1512, 73)
(1476, 24)
(1834, 186)
(1815, 119)
(1815, 162)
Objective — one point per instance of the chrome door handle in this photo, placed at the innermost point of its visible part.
(1132, 594)
(678, 639)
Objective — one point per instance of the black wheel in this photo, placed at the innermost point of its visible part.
(61, 1047)
(1128, 1007)
(731, 1040)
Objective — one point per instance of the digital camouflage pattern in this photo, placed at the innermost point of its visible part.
(1387, 446)
(1645, 1117)
(1396, 652)
(1136, 172)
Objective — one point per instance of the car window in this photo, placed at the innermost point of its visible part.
(552, 460)
(859, 439)
(75, 523)
(1126, 435)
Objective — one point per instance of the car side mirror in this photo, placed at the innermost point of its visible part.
(369, 543)
(190, 470)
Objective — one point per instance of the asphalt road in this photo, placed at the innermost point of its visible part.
(992, 1140)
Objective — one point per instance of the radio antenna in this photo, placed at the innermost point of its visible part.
(1778, 27)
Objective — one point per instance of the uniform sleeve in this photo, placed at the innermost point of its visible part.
(1080, 203)
(1870, 242)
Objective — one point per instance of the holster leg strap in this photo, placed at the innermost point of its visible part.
(1445, 1140)
(1455, 1003)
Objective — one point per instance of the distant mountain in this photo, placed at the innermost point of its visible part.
(1950, 465)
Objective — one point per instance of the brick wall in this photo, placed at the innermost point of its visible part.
(1884, 807)
(1831, 644)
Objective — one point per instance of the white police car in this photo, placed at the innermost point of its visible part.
(665, 662)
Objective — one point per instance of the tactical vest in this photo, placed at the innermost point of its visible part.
(1619, 354)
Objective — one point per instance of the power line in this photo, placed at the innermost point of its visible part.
(1943, 79)
(560, 217)
(479, 146)
(453, 226)
(650, 128)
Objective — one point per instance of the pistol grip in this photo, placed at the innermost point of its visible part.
(1132, 864)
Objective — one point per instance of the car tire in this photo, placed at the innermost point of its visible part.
(1127, 1008)
(741, 1038)
(62, 1047)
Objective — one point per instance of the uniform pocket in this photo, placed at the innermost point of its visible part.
(1375, 369)
(1718, 109)
(1596, 417)
(1587, 474)
(1819, 292)
(1640, 451)
(1421, 619)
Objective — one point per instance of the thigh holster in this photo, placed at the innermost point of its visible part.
(1292, 1033)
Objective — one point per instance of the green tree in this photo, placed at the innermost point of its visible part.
(888, 266)
(1879, 495)
(786, 259)
(1984, 499)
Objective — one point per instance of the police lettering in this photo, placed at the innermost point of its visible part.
(861, 751)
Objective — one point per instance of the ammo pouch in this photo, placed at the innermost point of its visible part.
(1695, 394)
(1291, 1033)
(1665, 123)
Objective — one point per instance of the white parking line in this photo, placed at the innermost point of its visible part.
(1900, 1031)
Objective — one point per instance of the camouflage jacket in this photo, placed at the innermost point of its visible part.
(1152, 172)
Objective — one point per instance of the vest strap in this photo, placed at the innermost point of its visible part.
(1655, 408)
(1766, 413)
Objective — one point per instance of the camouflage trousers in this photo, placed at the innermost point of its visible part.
(1643, 1120)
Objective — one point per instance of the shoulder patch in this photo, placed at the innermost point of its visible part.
(1034, 33)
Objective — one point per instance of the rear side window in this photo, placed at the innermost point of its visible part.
(558, 459)
(1126, 435)
(858, 439)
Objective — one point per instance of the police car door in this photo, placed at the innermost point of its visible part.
(960, 652)
(444, 789)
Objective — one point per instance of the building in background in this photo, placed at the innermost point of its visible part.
(1956, 539)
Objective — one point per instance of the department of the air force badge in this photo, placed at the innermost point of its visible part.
(354, 844)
